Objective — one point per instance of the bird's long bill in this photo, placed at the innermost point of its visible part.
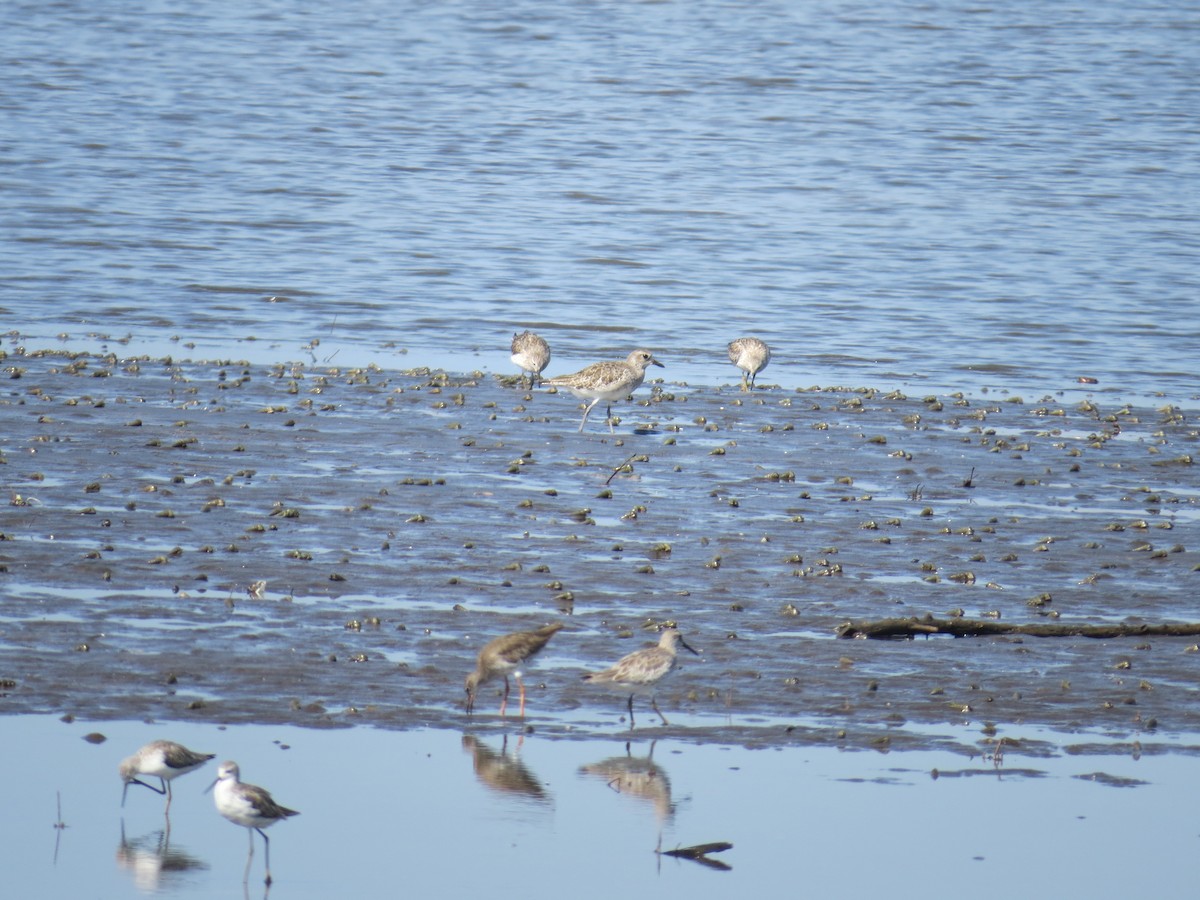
(686, 646)
(213, 785)
(655, 362)
(124, 794)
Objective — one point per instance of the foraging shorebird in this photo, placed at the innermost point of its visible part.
(530, 353)
(640, 672)
(751, 356)
(507, 655)
(164, 760)
(607, 381)
(249, 806)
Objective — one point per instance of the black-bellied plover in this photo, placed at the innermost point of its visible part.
(751, 356)
(640, 672)
(530, 353)
(607, 381)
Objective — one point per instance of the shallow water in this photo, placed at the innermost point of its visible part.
(426, 812)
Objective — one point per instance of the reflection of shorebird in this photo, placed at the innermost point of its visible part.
(504, 656)
(637, 776)
(163, 760)
(150, 857)
(249, 806)
(502, 772)
(530, 353)
(751, 356)
(640, 671)
(607, 381)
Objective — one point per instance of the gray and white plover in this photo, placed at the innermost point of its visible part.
(640, 672)
(530, 353)
(607, 381)
(751, 356)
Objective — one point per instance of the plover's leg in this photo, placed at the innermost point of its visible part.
(587, 412)
(654, 703)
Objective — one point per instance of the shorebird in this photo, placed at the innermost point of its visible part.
(751, 356)
(504, 656)
(607, 381)
(640, 672)
(530, 353)
(163, 760)
(249, 806)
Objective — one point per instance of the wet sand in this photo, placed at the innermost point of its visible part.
(297, 544)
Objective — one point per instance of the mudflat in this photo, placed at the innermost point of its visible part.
(302, 544)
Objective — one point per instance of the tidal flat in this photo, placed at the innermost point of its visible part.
(301, 544)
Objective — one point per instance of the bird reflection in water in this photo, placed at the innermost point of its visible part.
(151, 859)
(637, 776)
(502, 771)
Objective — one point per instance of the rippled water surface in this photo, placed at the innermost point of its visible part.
(948, 194)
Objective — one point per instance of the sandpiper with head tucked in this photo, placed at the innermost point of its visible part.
(607, 381)
(640, 672)
(530, 353)
(249, 806)
(507, 655)
(751, 356)
(163, 760)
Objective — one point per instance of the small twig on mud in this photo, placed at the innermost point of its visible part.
(608, 481)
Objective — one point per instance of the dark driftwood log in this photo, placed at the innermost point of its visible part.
(884, 629)
(700, 854)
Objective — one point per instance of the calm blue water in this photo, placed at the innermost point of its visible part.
(944, 194)
(439, 814)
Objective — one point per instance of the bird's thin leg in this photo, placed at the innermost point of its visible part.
(266, 851)
(521, 685)
(609, 417)
(630, 712)
(167, 785)
(659, 711)
(587, 412)
(249, 856)
(504, 701)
